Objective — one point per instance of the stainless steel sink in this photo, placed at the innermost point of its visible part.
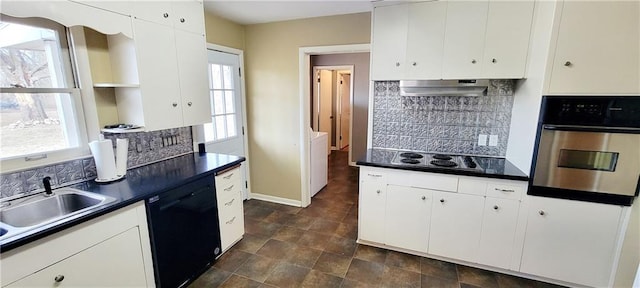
(33, 211)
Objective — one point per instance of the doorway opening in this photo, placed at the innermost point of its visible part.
(331, 103)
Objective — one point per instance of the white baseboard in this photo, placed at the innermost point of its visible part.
(274, 199)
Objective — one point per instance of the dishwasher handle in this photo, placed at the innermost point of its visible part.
(177, 201)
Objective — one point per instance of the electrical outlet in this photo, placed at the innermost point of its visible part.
(482, 140)
(493, 140)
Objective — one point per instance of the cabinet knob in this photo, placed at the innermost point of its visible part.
(165, 15)
(568, 64)
(441, 200)
(174, 104)
(494, 60)
(189, 103)
(59, 278)
(414, 63)
(181, 20)
(378, 191)
(495, 207)
(473, 61)
(397, 64)
(541, 212)
(424, 198)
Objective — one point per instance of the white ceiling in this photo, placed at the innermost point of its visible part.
(254, 12)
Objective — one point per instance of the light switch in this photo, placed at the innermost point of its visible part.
(482, 140)
(493, 140)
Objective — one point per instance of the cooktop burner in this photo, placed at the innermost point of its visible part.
(411, 155)
(444, 163)
(441, 161)
(442, 157)
(410, 161)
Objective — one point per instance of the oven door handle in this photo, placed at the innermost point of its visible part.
(591, 129)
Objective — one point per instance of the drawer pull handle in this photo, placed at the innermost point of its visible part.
(231, 221)
(229, 188)
(504, 190)
(374, 175)
(228, 176)
(59, 278)
(230, 202)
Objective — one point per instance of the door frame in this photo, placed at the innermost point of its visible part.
(198, 134)
(338, 69)
(350, 109)
(304, 61)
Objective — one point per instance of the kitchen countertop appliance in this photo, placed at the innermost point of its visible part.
(443, 161)
(588, 149)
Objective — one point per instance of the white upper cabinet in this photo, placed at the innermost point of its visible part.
(189, 16)
(425, 40)
(451, 40)
(506, 42)
(389, 42)
(157, 12)
(192, 72)
(464, 39)
(597, 48)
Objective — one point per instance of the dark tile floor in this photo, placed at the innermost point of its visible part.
(316, 246)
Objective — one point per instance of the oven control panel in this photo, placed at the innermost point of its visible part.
(607, 111)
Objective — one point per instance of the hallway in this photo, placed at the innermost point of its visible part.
(288, 246)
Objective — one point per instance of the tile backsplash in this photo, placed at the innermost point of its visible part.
(446, 124)
(144, 148)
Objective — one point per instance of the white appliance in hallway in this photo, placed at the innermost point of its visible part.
(319, 161)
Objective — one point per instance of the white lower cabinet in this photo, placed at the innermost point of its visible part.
(571, 241)
(116, 262)
(230, 210)
(373, 201)
(408, 212)
(456, 221)
(499, 223)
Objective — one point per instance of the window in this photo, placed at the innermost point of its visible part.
(223, 124)
(40, 108)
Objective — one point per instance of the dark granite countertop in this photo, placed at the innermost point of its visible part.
(499, 168)
(140, 183)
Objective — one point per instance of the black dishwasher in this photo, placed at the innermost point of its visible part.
(185, 235)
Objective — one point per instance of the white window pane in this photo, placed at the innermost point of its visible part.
(35, 123)
(208, 132)
(216, 76)
(220, 127)
(218, 102)
(229, 102)
(231, 125)
(228, 78)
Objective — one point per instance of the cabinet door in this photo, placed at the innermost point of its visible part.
(597, 48)
(408, 217)
(116, 262)
(507, 39)
(188, 16)
(499, 222)
(456, 221)
(158, 72)
(464, 39)
(389, 42)
(425, 40)
(371, 214)
(571, 241)
(157, 11)
(194, 84)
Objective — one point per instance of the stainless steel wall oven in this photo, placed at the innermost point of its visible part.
(588, 148)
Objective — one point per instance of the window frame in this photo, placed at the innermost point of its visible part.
(67, 57)
(225, 114)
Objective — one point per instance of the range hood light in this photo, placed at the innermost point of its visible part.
(443, 87)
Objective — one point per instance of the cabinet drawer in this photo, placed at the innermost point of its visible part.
(230, 204)
(231, 225)
(227, 179)
(502, 190)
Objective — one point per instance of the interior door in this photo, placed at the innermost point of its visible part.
(225, 133)
(325, 115)
(345, 110)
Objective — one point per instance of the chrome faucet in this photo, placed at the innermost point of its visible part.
(47, 186)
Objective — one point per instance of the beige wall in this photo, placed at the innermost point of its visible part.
(273, 100)
(224, 32)
(360, 109)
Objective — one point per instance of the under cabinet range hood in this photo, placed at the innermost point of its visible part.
(443, 87)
